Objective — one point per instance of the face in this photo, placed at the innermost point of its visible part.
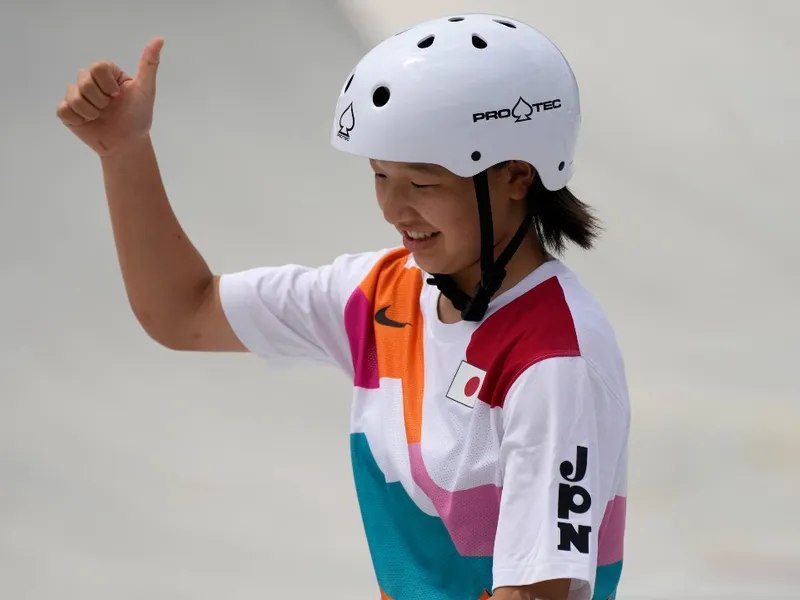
(436, 212)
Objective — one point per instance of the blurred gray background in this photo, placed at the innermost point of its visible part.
(128, 471)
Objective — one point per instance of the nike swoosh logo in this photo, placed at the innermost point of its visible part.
(382, 319)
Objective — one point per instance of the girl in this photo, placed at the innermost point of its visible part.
(490, 417)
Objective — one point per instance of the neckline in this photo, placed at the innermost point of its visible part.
(450, 332)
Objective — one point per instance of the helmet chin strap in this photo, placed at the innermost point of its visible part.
(473, 308)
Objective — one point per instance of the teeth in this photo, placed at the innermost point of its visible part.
(415, 235)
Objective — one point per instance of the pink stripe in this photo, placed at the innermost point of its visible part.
(612, 532)
(470, 516)
(360, 333)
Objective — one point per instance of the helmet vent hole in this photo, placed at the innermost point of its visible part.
(561, 166)
(426, 42)
(478, 42)
(476, 156)
(455, 19)
(349, 81)
(380, 97)
(506, 23)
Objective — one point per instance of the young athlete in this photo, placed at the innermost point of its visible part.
(490, 417)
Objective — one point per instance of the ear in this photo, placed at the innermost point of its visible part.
(520, 178)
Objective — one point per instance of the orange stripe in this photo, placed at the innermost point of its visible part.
(400, 350)
(384, 595)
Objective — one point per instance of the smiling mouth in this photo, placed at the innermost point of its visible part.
(418, 236)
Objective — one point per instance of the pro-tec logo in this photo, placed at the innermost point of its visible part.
(522, 111)
(347, 122)
(574, 500)
(466, 384)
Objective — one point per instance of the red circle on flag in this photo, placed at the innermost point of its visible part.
(471, 387)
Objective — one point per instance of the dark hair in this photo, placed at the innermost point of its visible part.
(559, 216)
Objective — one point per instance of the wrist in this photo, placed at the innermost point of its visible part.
(137, 148)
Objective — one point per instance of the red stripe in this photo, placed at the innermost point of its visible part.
(535, 326)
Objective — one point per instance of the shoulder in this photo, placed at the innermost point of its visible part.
(391, 277)
(355, 267)
(339, 276)
(388, 266)
(568, 389)
(367, 270)
(551, 318)
(595, 336)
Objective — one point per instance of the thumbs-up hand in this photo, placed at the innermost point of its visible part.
(108, 109)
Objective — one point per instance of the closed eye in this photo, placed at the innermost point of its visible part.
(419, 186)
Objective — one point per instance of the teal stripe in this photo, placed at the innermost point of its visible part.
(412, 553)
(607, 580)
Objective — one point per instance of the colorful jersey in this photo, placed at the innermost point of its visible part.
(484, 454)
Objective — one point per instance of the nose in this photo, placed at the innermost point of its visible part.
(396, 205)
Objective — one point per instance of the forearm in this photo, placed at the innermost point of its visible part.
(165, 276)
(556, 589)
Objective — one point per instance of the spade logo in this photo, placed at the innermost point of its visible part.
(522, 111)
(347, 122)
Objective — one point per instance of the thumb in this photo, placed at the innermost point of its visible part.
(148, 65)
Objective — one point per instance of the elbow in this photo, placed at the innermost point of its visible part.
(168, 342)
(179, 326)
(163, 331)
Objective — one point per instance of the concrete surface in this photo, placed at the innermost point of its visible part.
(128, 471)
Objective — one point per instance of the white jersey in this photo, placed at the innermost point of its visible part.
(484, 454)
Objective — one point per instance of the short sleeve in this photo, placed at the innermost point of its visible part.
(294, 313)
(563, 455)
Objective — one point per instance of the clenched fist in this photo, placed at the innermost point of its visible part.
(108, 109)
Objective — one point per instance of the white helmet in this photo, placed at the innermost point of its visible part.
(464, 92)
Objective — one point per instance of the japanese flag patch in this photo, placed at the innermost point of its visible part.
(466, 384)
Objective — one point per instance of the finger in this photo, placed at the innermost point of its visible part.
(81, 105)
(148, 65)
(68, 116)
(108, 77)
(91, 91)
